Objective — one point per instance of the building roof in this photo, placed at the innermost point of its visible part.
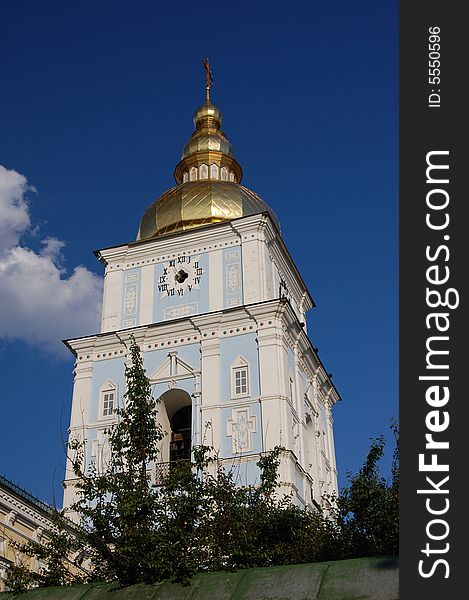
(365, 578)
(198, 203)
(24, 495)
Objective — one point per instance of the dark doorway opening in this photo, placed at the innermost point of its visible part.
(181, 423)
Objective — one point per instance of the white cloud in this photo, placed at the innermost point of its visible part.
(14, 213)
(40, 303)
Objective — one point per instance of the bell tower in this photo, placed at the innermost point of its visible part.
(217, 306)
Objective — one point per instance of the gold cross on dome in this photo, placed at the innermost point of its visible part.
(208, 78)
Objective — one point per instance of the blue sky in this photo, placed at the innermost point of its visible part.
(96, 105)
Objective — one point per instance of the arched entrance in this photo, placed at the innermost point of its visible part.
(175, 411)
(181, 430)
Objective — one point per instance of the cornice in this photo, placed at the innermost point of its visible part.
(34, 517)
(194, 240)
(253, 318)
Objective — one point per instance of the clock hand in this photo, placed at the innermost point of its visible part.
(181, 276)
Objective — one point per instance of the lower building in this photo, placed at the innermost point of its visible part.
(23, 518)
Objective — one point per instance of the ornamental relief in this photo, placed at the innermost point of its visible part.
(101, 452)
(232, 279)
(130, 302)
(240, 428)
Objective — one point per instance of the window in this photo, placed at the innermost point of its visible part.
(203, 172)
(241, 381)
(108, 403)
(214, 171)
(240, 378)
(107, 400)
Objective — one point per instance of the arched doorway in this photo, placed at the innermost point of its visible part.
(175, 410)
(181, 430)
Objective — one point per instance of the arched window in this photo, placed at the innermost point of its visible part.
(214, 172)
(185, 177)
(193, 174)
(203, 172)
(232, 177)
(224, 173)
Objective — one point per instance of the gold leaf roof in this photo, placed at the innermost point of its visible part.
(208, 141)
(197, 203)
(208, 178)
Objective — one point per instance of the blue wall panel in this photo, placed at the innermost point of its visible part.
(174, 301)
(131, 298)
(232, 347)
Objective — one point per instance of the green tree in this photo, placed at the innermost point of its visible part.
(117, 507)
(368, 509)
(200, 519)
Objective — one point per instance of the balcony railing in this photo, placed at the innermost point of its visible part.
(162, 471)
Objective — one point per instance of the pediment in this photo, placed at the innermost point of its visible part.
(173, 367)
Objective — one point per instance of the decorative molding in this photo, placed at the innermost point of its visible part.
(23, 511)
(240, 428)
(172, 369)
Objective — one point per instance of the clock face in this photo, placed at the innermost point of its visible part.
(180, 276)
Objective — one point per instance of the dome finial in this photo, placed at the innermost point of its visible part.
(208, 154)
(208, 79)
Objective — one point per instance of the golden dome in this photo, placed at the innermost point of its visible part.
(207, 134)
(208, 141)
(207, 115)
(208, 177)
(197, 203)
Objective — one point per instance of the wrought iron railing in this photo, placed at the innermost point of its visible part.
(16, 489)
(162, 471)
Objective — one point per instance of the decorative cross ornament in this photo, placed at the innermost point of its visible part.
(240, 428)
(208, 78)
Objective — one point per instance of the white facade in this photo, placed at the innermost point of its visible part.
(219, 314)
